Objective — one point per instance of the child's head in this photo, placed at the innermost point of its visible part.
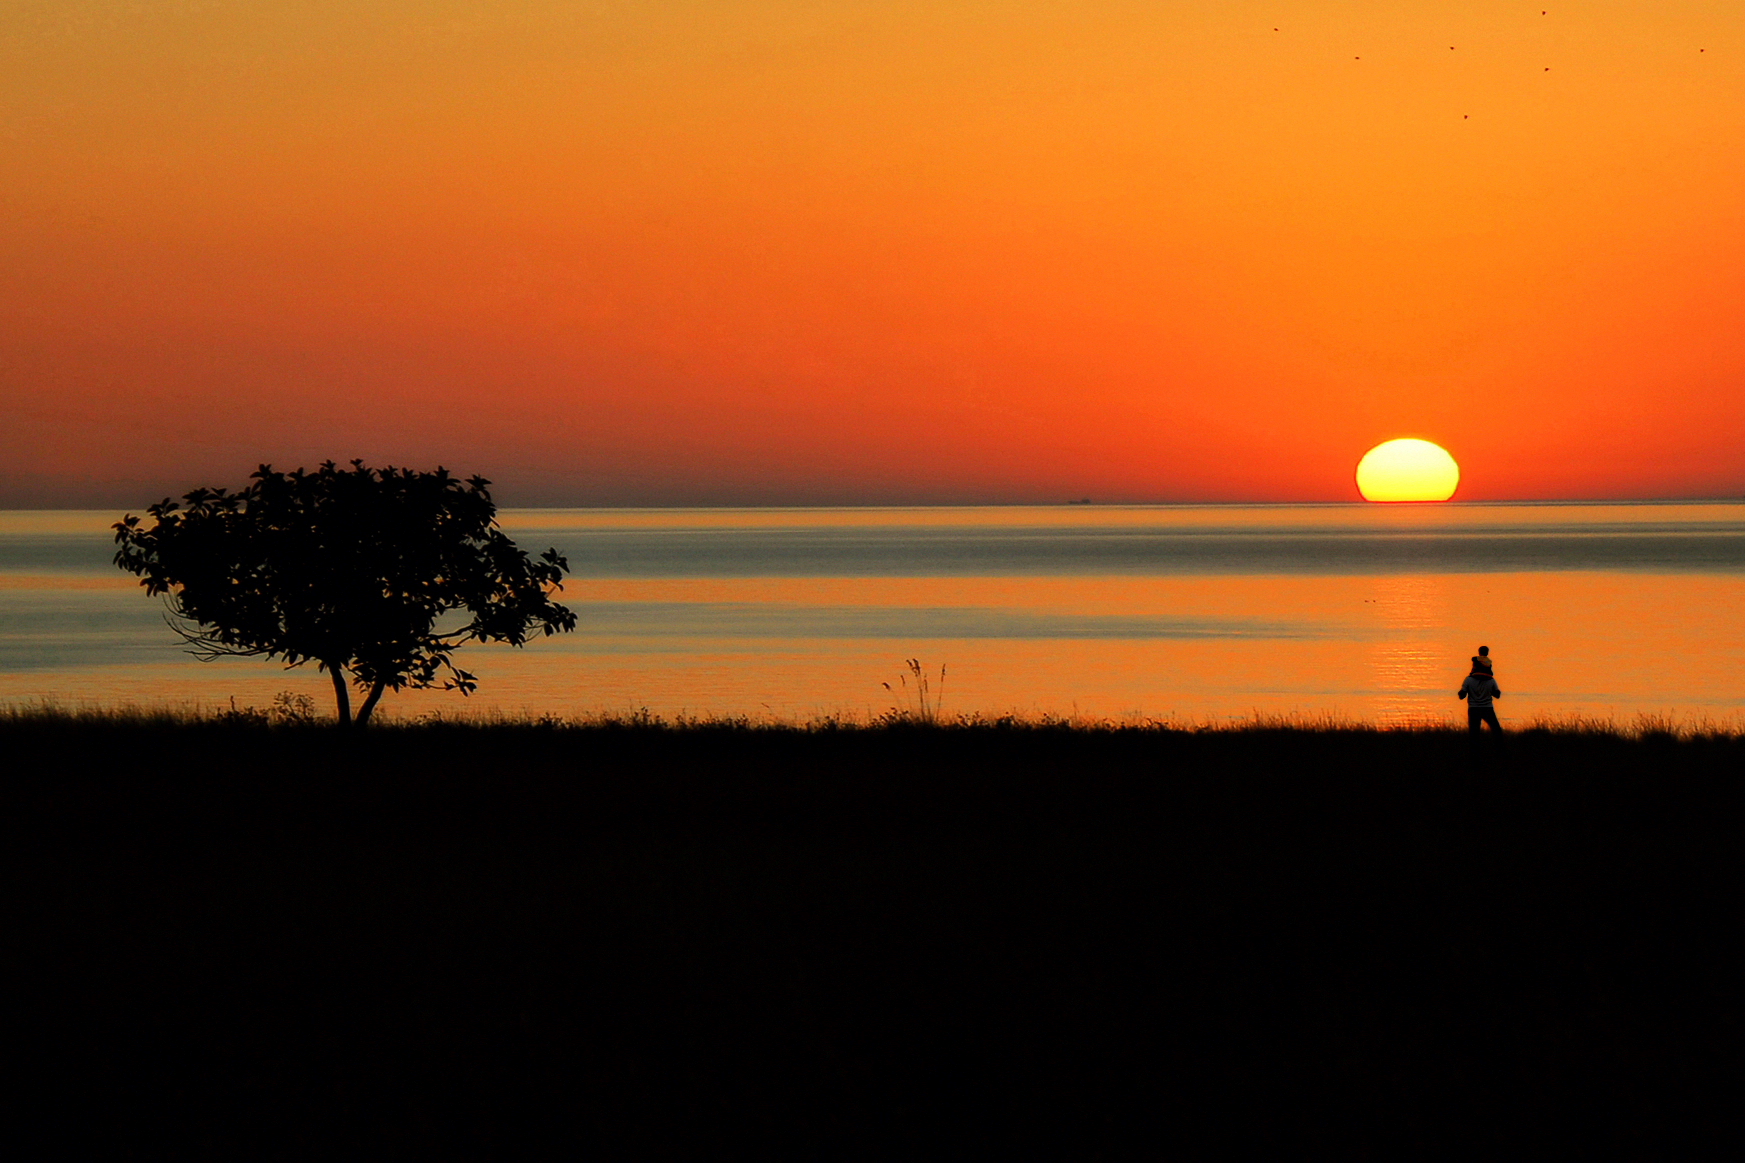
(1485, 650)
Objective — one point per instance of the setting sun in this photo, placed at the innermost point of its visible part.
(1407, 470)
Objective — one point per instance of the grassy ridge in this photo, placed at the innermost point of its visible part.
(642, 937)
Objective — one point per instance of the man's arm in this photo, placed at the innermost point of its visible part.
(1461, 693)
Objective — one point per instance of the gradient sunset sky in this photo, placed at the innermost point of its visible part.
(659, 252)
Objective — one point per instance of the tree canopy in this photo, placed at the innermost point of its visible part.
(348, 568)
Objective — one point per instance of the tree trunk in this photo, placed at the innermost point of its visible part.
(363, 712)
(341, 693)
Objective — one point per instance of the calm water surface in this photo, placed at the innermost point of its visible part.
(1200, 612)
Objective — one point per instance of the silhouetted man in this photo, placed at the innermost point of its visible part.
(1478, 690)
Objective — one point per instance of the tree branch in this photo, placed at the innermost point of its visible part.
(375, 696)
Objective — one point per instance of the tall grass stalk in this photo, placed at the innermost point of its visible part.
(921, 700)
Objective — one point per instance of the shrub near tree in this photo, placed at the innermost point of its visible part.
(351, 569)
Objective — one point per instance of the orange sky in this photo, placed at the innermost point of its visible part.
(872, 250)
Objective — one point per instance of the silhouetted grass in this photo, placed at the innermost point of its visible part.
(299, 712)
(242, 936)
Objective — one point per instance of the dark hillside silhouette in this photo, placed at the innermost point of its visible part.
(349, 569)
(632, 942)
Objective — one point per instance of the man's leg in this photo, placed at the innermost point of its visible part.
(1490, 716)
(1474, 717)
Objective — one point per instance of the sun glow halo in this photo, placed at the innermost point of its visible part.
(1407, 470)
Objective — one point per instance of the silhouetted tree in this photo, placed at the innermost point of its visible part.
(349, 568)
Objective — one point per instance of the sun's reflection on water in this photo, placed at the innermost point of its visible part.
(1408, 662)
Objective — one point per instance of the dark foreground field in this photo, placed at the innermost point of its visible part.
(262, 943)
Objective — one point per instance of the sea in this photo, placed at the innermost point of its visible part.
(1190, 614)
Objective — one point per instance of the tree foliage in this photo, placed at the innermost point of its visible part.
(349, 568)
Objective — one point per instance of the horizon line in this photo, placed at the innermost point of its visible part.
(1086, 503)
